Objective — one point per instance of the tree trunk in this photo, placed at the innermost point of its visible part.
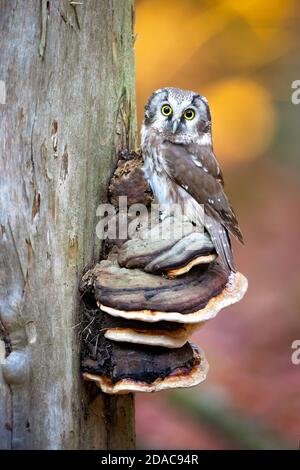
(70, 105)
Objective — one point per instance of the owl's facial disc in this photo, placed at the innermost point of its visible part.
(179, 115)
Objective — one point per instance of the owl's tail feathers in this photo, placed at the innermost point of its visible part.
(235, 230)
(221, 241)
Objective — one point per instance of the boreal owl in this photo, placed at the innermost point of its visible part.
(181, 168)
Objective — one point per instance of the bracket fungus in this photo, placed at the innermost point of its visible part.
(147, 298)
(172, 246)
(119, 368)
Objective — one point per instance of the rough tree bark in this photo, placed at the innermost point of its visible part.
(69, 77)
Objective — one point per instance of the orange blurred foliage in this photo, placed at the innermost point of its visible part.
(244, 118)
(216, 48)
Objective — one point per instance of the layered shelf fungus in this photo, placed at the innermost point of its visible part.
(145, 299)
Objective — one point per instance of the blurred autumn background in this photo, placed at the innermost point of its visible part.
(243, 56)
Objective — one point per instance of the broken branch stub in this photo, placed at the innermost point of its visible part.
(128, 180)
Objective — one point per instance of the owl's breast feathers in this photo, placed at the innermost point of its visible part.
(194, 168)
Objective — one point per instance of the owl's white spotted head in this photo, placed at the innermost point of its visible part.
(179, 115)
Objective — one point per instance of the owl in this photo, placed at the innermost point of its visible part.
(181, 167)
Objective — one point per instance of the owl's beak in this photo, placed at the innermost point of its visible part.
(176, 123)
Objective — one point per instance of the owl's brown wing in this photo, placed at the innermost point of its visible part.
(196, 169)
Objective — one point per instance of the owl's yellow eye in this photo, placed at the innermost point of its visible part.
(166, 110)
(189, 114)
